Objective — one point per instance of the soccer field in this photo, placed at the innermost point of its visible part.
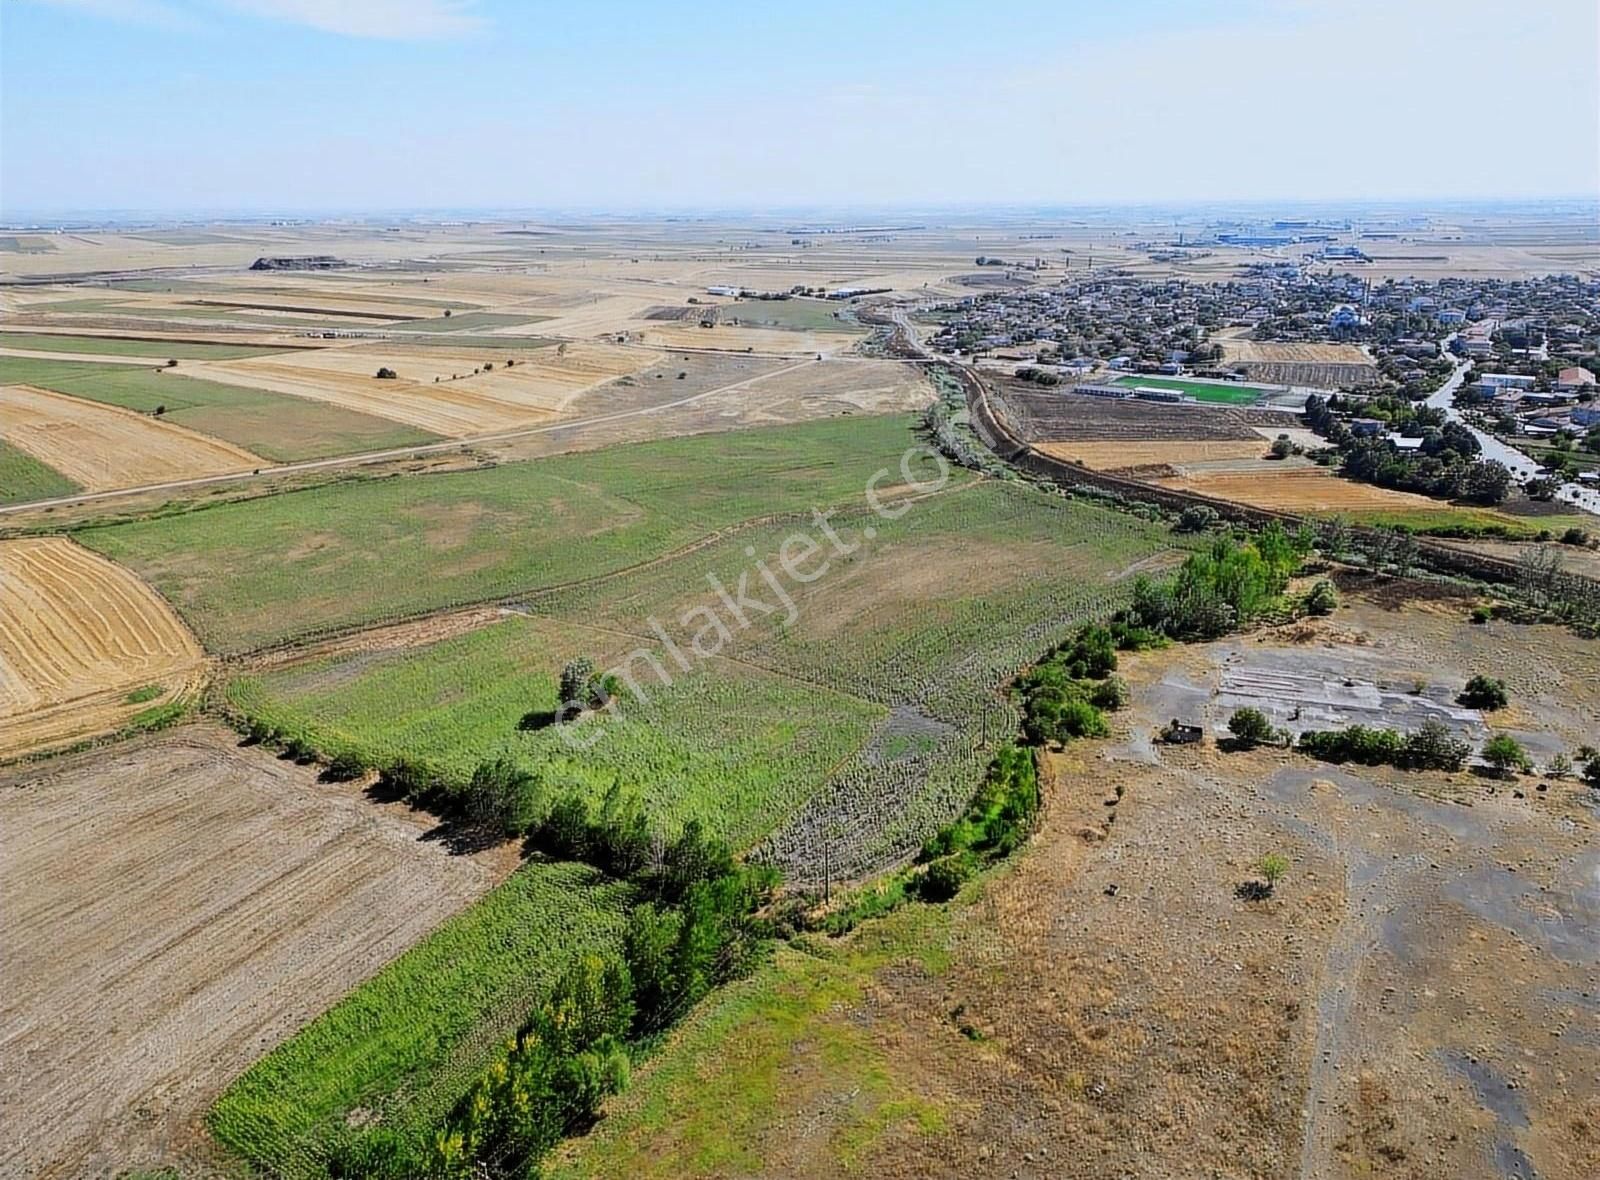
(1205, 391)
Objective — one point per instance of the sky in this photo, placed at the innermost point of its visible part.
(319, 106)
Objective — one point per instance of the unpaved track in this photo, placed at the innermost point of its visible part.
(175, 907)
(102, 448)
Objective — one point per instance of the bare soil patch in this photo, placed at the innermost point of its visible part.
(1114, 456)
(174, 908)
(101, 447)
(1055, 416)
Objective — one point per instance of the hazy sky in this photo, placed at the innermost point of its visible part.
(318, 105)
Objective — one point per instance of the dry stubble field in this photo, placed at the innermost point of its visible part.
(175, 907)
(101, 447)
(78, 636)
(436, 389)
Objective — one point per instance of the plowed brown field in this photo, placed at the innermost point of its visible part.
(1111, 456)
(176, 906)
(101, 447)
(78, 634)
(435, 387)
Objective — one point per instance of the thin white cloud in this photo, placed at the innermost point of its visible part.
(139, 12)
(396, 20)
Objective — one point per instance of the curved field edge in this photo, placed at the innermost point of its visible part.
(249, 575)
(405, 1044)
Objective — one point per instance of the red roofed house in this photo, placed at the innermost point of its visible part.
(1574, 380)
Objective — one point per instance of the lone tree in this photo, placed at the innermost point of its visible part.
(387, 374)
(577, 678)
(1250, 728)
(1272, 868)
(1483, 692)
(1323, 598)
(1505, 754)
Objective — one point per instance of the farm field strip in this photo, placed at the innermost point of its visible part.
(1111, 456)
(274, 426)
(436, 388)
(407, 1042)
(234, 570)
(23, 478)
(125, 346)
(1301, 489)
(101, 447)
(174, 906)
(74, 626)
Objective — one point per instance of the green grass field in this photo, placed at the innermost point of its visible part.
(274, 426)
(249, 574)
(734, 747)
(769, 1052)
(799, 314)
(24, 478)
(468, 322)
(938, 608)
(408, 1041)
(1227, 395)
(118, 346)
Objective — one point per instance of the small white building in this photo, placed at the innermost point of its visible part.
(1505, 381)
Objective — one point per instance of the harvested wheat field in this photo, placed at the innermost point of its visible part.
(101, 447)
(175, 907)
(1299, 489)
(436, 389)
(79, 636)
(1114, 456)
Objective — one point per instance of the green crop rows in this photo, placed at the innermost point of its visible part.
(736, 748)
(407, 1042)
(123, 346)
(24, 478)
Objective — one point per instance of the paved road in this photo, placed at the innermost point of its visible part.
(1522, 467)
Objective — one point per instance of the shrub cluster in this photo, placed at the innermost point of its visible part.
(1064, 694)
(1431, 746)
(1230, 585)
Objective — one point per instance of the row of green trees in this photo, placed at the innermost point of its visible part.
(696, 926)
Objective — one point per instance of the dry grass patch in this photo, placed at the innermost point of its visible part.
(100, 447)
(1300, 489)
